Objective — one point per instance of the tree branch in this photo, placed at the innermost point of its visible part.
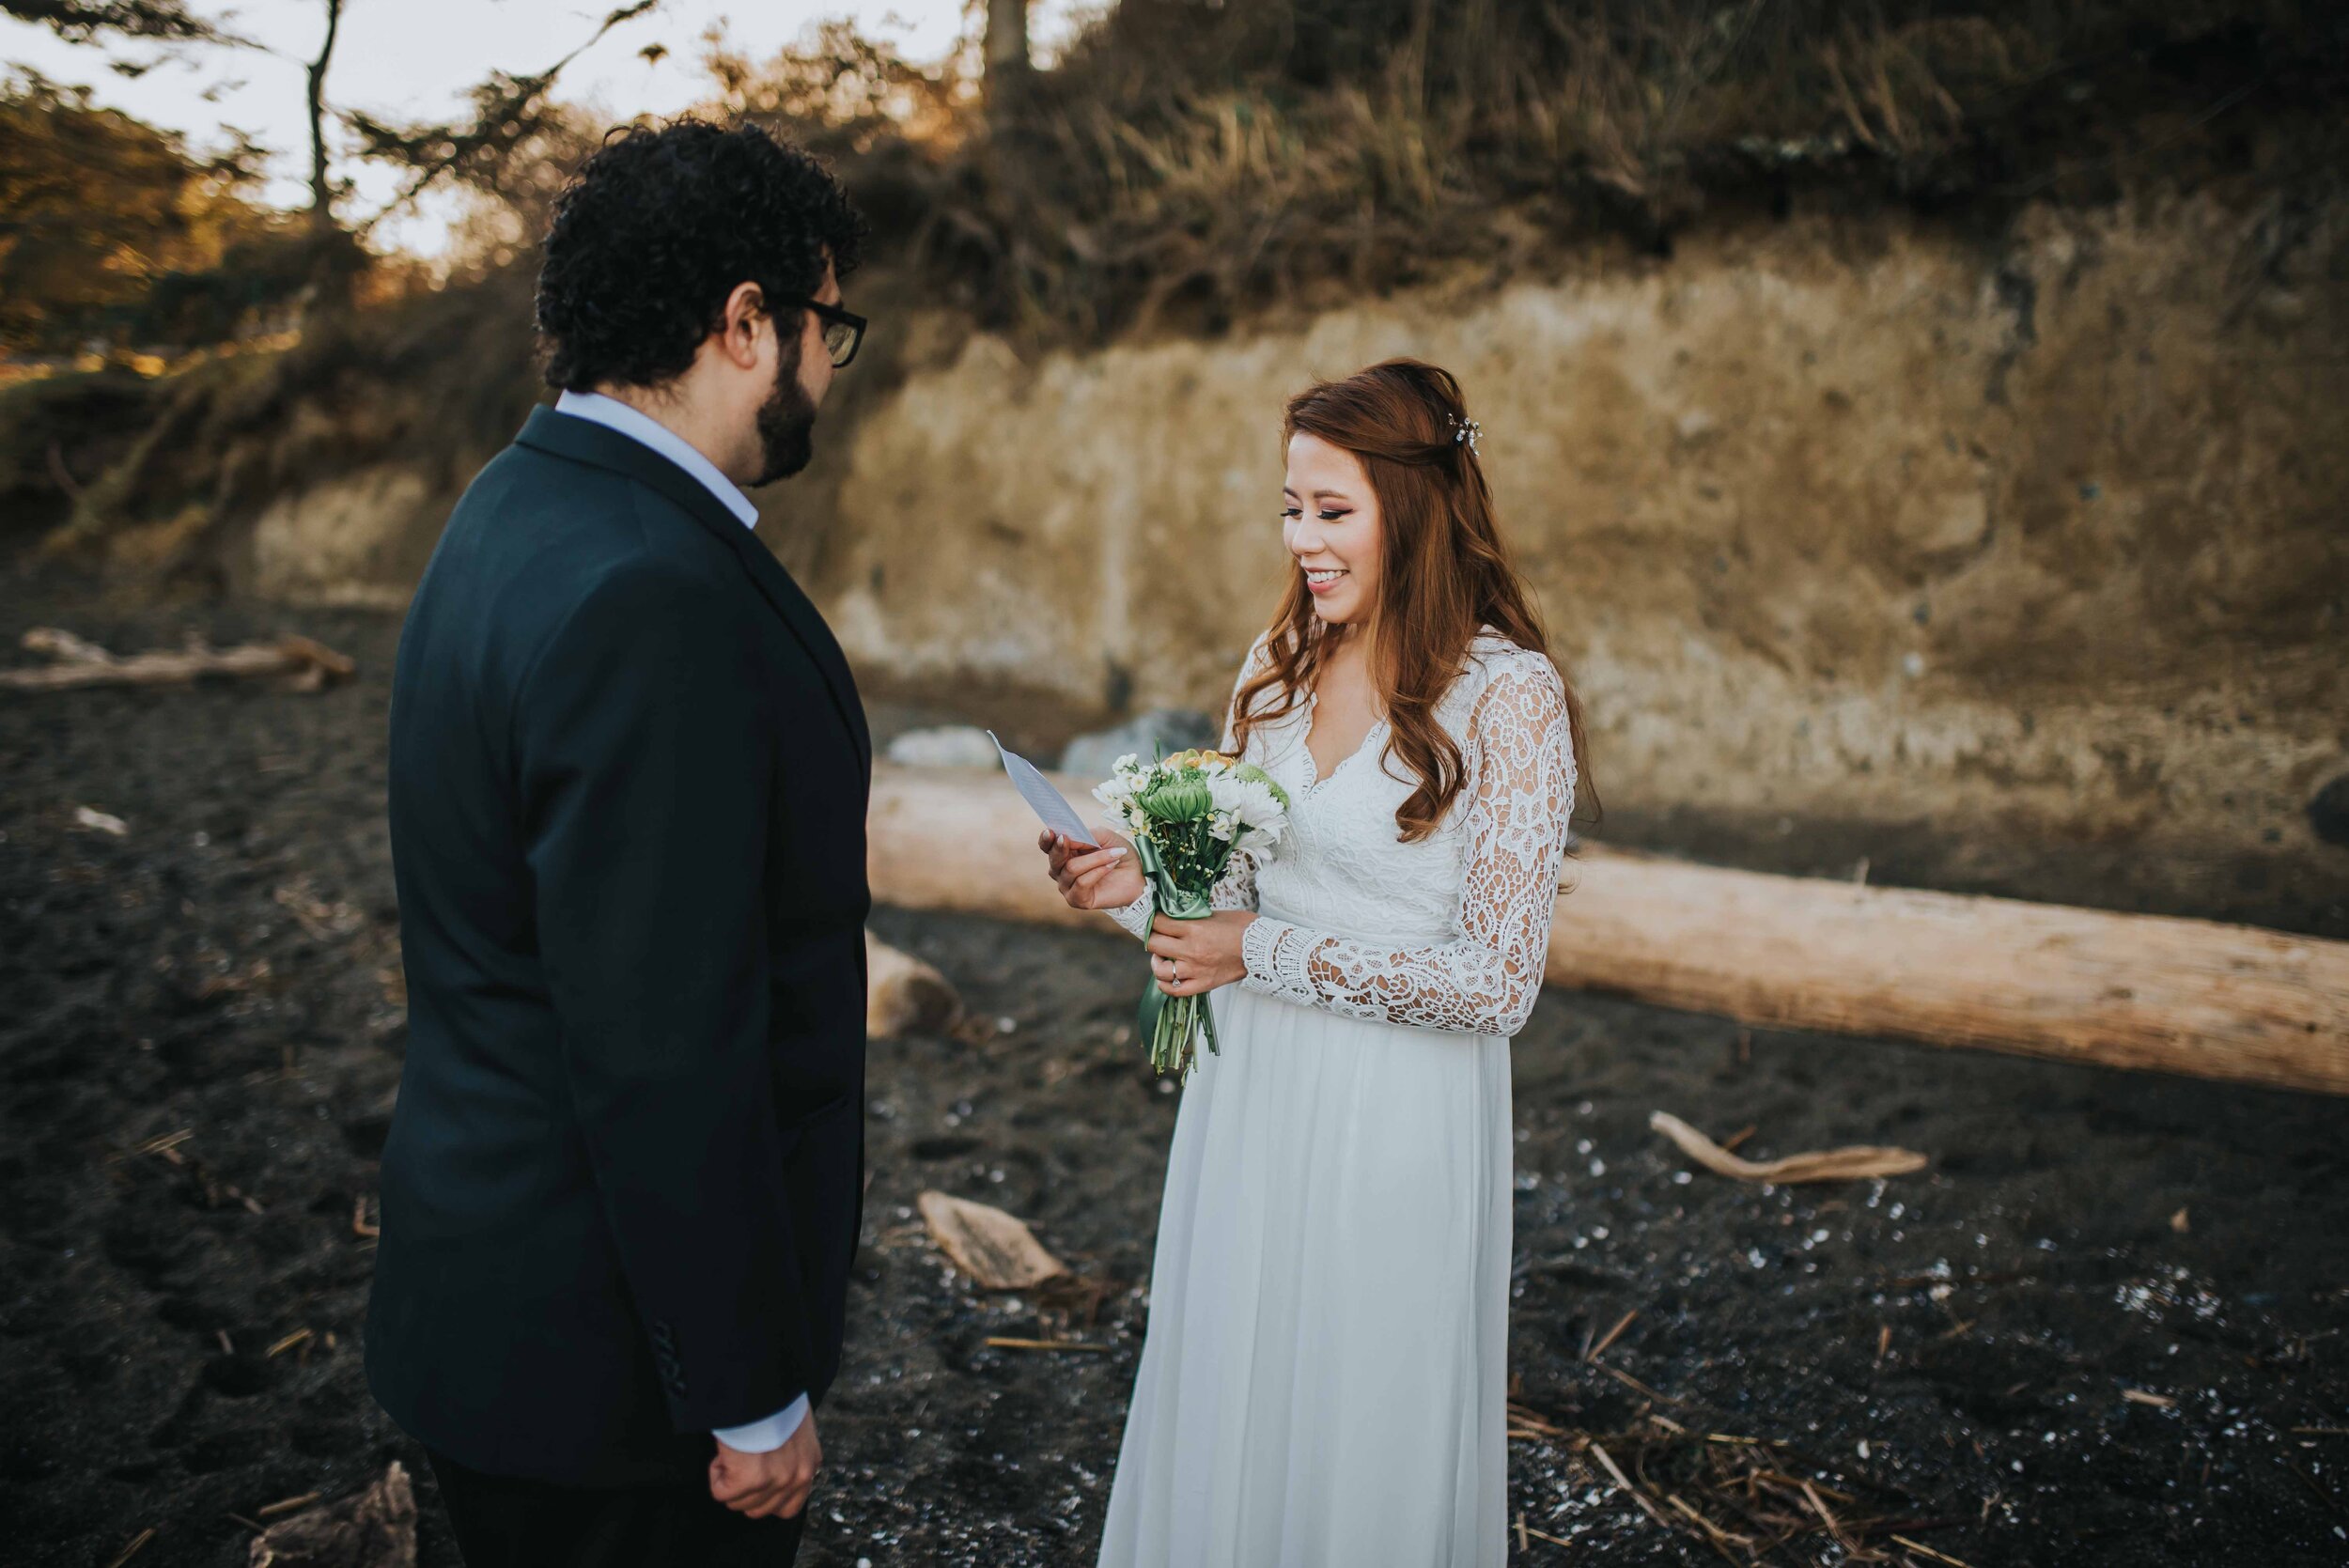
(505, 101)
(80, 21)
(322, 194)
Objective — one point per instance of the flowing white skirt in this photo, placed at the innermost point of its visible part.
(1324, 1380)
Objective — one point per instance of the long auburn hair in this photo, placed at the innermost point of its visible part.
(1444, 574)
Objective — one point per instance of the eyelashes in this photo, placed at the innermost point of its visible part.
(1325, 515)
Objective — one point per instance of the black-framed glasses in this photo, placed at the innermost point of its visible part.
(844, 330)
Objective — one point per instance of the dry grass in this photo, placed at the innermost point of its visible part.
(1185, 164)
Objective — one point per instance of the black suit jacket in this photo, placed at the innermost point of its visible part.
(629, 773)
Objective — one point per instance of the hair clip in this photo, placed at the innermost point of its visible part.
(1464, 430)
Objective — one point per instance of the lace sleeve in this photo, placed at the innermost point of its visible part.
(1520, 794)
(1236, 888)
(1136, 917)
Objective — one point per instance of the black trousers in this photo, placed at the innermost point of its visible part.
(509, 1522)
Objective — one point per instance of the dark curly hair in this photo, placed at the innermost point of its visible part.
(660, 226)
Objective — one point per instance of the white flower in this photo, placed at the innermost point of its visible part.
(1253, 802)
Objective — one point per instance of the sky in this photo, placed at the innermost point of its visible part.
(413, 59)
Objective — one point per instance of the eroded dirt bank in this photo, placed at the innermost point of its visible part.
(2027, 534)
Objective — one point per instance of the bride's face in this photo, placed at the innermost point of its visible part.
(1329, 521)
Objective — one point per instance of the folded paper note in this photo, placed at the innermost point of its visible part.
(1051, 806)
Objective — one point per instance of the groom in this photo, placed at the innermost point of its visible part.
(628, 772)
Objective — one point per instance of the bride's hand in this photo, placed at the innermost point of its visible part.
(1109, 877)
(1205, 951)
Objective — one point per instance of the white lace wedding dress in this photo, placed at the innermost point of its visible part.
(1325, 1374)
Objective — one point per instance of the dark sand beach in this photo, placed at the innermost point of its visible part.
(200, 1037)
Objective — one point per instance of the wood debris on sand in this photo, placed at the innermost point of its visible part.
(904, 995)
(992, 1248)
(76, 663)
(1825, 1165)
(374, 1529)
(1741, 1498)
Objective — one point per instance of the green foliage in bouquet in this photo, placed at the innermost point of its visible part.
(1189, 814)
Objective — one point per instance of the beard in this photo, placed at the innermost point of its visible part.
(786, 426)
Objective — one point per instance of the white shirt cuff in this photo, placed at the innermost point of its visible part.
(767, 1435)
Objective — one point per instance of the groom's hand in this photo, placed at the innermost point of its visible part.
(768, 1485)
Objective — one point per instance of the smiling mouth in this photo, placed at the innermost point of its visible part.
(1314, 576)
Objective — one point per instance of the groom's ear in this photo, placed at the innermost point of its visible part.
(744, 317)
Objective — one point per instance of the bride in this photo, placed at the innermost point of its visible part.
(1324, 1376)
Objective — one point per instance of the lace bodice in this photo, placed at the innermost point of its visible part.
(1449, 933)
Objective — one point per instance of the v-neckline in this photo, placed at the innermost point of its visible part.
(1315, 777)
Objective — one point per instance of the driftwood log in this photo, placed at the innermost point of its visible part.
(2117, 990)
(76, 663)
(904, 995)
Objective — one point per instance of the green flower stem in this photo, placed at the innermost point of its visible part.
(1171, 1026)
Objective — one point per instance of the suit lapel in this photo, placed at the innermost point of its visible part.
(584, 440)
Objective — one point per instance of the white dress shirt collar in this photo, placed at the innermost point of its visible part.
(641, 426)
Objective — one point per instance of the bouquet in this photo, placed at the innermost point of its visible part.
(1189, 813)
